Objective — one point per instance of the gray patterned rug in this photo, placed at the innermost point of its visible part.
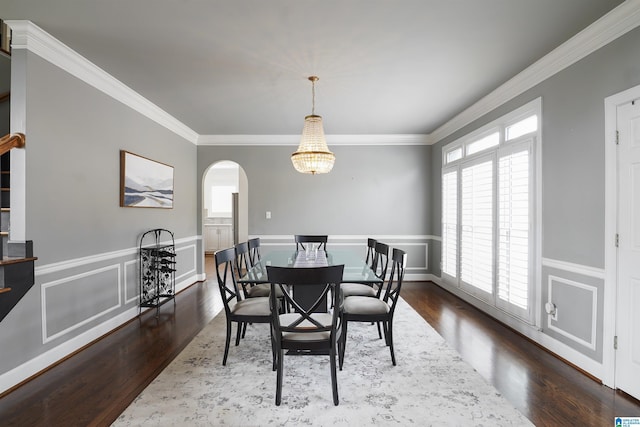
(431, 385)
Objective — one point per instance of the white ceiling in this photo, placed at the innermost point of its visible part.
(240, 67)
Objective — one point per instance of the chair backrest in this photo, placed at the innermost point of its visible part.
(392, 289)
(381, 260)
(226, 274)
(243, 260)
(254, 250)
(301, 239)
(371, 248)
(303, 319)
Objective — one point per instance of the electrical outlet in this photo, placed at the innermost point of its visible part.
(268, 215)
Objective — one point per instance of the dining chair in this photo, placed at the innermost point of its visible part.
(305, 331)
(371, 247)
(379, 262)
(244, 311)
(367, 309)
(243, 259)
(244, 262)
(301, 239)
(254, 250)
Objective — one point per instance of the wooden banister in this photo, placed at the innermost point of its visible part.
(5, 96)
(12, 140)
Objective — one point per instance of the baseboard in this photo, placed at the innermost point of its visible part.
(19, 375)
(588, 366)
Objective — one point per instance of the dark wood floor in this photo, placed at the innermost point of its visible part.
(94, 386)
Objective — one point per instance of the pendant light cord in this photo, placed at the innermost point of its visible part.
(313, 97)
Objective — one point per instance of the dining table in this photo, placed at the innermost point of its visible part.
(356, 270)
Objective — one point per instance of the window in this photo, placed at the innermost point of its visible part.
(488, 248)
(450, 223)
(453, 155)
(476, 246)
(221, 200)
(482, 144)
(513, 228)
(523, 127)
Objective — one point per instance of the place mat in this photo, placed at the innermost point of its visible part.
(301, 260)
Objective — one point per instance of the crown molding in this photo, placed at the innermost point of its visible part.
(614, 24)
(27, 35)
(336, 140)
(619, 21)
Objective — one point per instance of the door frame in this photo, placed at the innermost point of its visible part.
(611, 104)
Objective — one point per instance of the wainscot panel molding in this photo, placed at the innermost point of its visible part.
(120, 270)
(131, 281)
(554, 284)
(532, 332)
(584, 270)
(416, 246)
(99, 280)
(43, 361)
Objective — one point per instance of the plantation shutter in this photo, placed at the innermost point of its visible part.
(450, 223)
(476, 252)
(514, 218)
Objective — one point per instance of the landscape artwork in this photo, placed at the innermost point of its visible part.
(145, 183)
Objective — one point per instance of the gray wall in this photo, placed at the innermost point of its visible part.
(371, 191)
(86, 273)
(573, 195)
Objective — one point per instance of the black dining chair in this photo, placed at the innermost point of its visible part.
(371, 247)
(302, 239)
(244, 262)
(254, 250)
(378, 263)
(238, 310)
(367, 309)
(307, 329)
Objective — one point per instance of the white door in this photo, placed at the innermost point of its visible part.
(627, 369)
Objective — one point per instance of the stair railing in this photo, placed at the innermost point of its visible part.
(11, 140)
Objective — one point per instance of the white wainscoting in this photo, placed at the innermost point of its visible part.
(50, 287)
(122, 264)
(416, 246)
(554, 282)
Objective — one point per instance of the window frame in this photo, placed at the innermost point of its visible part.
(466, 286)
(531, 315)
(516, 145)
(446, 170)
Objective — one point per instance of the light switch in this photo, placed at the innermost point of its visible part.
(268, 216)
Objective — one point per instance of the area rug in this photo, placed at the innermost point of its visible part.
(431, 384)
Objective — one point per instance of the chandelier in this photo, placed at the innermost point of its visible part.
(313, 155)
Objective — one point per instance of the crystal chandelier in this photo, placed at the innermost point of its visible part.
(313, 155)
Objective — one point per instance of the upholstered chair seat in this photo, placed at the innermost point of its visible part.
(365, 306)
(252, 307)
(262, 290)
(367, 309)
(357, 289)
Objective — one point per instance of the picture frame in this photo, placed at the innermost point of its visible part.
(145, 183)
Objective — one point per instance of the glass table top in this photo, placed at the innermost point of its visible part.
(355, 268)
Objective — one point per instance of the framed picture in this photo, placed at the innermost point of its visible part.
(145, 183)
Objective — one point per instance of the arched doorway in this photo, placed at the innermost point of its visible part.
(225, 206)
